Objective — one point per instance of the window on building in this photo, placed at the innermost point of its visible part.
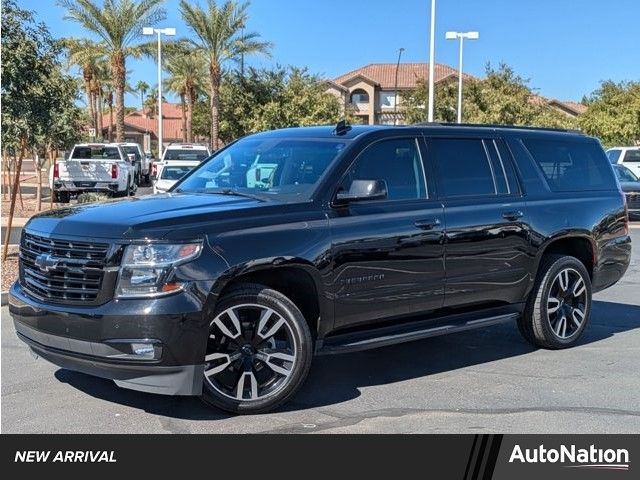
(359, 96)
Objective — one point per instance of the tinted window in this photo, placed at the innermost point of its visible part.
(572, 165)
(185, 154)
(96, 153)
(171, 172)
(463, 167)
(632, 156)
(613, 155)
(397, 162)
(279, 167)
(134, 150)
(624, 174)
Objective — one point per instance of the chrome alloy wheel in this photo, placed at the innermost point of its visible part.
(251, 352)
(567, 303)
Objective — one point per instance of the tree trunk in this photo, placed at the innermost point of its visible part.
(118, 68)
(12, 207)
(183, 104)
(190, 108)
(110, 132)
(100, 107)
(38, 166)
(90, 104)
(214, 84)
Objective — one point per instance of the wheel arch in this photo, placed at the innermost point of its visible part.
(577, 244)
(296, 278)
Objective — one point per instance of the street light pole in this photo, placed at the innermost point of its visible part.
(159, 31)
(395, 96)
(160, 137)
(432, 55)
(461, 36)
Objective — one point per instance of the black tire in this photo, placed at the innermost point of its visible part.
(541, 326)
(61, 197)
(295, 327)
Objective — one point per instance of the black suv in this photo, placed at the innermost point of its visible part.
(322, 240)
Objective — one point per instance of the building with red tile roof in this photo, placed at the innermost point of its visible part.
(141, 126)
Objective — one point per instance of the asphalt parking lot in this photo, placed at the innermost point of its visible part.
(481, 381)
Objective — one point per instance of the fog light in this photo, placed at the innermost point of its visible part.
(143, 350)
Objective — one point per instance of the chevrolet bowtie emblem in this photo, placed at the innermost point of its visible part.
(46, 262)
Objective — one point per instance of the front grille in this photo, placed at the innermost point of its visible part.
(62, 271)
(633, 201)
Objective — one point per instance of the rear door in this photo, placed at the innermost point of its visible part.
(486, 238)
(388, 254)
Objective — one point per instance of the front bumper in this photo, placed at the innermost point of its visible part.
(92, 339)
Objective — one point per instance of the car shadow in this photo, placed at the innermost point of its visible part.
(338, 378)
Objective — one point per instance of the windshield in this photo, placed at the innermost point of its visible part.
(625, 175)
(174, 173)
(185, 154)
(276, 166)
(96, 152)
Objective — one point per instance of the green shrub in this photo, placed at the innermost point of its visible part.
(91, 197)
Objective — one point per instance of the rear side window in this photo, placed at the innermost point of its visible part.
(572, 165)
(613, 155)
(463, 167)
(632, 156)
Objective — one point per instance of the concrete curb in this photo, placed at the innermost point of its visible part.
(4, 298)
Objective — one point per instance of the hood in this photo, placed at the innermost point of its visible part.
(150, 216)
(630, 186)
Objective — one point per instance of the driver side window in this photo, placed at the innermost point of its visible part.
(397, 162)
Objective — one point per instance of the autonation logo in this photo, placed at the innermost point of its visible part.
(574, 457)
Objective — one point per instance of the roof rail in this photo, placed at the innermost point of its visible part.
(490, 125)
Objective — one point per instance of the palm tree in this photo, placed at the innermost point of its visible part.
(142, 87)
(151, 102)
(118, 23)
(220, 37)
(186, 73)
(87, 55)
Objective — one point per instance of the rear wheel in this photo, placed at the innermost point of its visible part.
(258, 352)
(61, 197)
(559, 307)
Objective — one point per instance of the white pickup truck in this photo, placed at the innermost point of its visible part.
(92, 167)
(177, 160)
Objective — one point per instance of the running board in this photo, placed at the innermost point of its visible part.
(388, 336)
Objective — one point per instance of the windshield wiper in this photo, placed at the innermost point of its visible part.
(236, 193)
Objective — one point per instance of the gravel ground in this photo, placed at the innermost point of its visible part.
(9, 269)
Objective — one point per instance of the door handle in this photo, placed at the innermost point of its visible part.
(512, 215)
(427, 223)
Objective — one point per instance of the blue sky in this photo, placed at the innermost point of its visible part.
(566, 47)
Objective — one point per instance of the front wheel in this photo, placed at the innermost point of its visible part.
(258, 352)
(559, 307)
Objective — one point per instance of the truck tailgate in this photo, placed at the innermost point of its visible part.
(86, 170)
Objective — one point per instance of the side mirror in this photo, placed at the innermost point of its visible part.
(363, 190)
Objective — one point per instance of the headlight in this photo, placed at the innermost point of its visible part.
(146, 268)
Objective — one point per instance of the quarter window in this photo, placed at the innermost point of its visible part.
(571, 165)
(397, 162)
